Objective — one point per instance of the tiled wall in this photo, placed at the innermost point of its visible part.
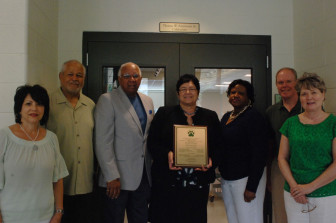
(13, 54)
(315, 42)
(28, 49)
(43, 43)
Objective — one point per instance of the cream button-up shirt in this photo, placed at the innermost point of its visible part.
(74, 129)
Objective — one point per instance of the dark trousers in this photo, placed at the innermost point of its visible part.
(134, 202)
(77, 208)
(178, 205)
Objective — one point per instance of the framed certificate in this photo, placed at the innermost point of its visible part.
(191, 146)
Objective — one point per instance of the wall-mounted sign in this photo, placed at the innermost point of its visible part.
(179, 27)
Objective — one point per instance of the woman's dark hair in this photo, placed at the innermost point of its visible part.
(38, 94)
(185, 78)
(248, 86)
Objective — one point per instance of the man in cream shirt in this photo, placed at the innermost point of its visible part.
(71, 119)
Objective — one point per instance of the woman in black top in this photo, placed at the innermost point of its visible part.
(243, 157)
(180, 194)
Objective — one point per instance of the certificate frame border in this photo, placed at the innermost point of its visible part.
(206, 161)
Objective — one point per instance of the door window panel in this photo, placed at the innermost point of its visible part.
(152, 83)
(214, 84)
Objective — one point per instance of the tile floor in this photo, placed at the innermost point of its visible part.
(216, 210)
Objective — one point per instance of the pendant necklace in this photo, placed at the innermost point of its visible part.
(33, 140)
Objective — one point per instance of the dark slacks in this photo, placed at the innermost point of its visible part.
(134, 202)
(178, 205)
(77, 208)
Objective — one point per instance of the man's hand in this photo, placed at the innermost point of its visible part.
(113, 188)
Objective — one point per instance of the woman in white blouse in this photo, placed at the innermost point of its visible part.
(31, 166)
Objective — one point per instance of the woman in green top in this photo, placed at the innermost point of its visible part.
(307, 157)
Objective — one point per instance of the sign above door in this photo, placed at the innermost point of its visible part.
(178, 27)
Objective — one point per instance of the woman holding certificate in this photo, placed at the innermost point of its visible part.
(243, 157)
(180, 193)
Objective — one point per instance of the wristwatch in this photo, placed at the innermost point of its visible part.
(59, 210)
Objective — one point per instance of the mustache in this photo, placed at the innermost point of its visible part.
(74, 82)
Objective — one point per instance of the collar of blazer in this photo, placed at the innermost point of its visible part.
(129, 107)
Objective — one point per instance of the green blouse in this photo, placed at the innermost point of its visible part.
(310, 151)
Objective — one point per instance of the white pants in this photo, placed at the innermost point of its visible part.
(325, 211)
(239, 211)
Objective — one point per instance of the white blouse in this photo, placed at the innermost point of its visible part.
(27, 176)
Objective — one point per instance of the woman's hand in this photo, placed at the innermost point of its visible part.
(205, 168)
(56, 218)
(171, 162)
(302, 200)
(300, 190)
(249, 196)
(58, 195)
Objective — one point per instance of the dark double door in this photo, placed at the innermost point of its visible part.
(178, 54)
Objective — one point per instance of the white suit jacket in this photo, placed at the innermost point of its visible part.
(120, 144)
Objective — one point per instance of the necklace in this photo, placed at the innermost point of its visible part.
(33, 140)
(318, 118)
(192, 113)
(233, 116)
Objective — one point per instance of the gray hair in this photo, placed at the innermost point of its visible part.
(72, 61)
(128, 63)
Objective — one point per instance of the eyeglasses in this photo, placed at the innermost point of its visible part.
(308, 207)
(128, 76)
(184, 90)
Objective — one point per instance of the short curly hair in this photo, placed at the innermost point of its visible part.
(38, 94)
(309, 81)
(248, 86)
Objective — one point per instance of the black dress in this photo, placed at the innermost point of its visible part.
(179, 196)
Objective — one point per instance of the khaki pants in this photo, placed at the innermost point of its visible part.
(278, 204)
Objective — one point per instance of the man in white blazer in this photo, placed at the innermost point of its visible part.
(122, 121)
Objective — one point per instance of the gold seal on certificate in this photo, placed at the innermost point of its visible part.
(191, 146)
